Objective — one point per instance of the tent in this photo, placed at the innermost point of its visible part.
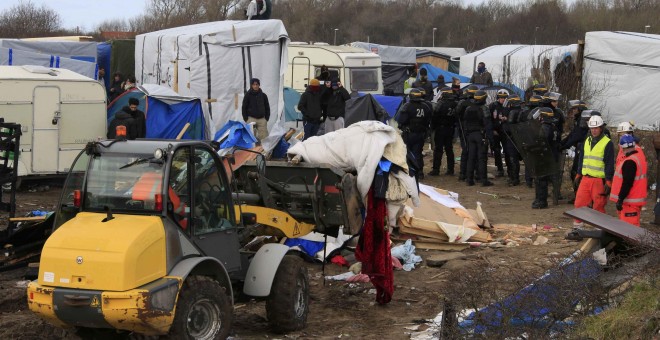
(396, 61)
(167, 112)
(364, 108)
(389, 103)
(621, 76)
(291, 99)
(215, 62)
(512, 64)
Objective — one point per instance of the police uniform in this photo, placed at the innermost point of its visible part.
(477, 127)
(414, 120)
(460, 111)
(511, 152)
(549, 133)
(444, 124)
(496, 109)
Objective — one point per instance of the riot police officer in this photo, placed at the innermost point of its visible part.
(579, 132)
(444, 124)
(551, 100)
(533, 102)
(539, 89)
(460, 110)
(549, 133)
(414, 119)
(508, 117)
(496, 109)
(478, 131)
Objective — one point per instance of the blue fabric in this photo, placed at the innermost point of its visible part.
(309, 247)
(291, 99)
(280, 149)
(385, 165)
(121, 101)
(103, 55)
(240, 135)
(11, 56)
(39, 213)
(433, 73)
(167, 121)
(389, 103)
(89, 59)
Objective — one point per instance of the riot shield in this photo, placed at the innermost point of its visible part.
(534, 148)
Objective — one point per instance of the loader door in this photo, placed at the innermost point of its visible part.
(46, 131)
(214, 225)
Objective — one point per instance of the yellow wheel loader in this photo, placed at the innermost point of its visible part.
(152, 237)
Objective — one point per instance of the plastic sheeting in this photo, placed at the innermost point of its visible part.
(215, 61)
(364, 108)
(291, 99)
(396, 61)
(10, 56)
(622, 72)
(512, 64)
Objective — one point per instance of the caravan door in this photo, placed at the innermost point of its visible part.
(300, 73)
(45, 134)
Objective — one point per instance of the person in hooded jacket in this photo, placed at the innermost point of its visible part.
(115, 87)
(138, 116)
(256, 109)
(566, 76)
(425, 84)
(122, 118)
(482, 76)
(311, 107)
(334, 100)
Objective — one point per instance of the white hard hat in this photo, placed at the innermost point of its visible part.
(596, 121)
(624, 127)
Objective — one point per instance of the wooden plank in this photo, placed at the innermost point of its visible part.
(480, 236)
(433, 211)
(609, 224)
(28, 219)
(589, 245)
(482, 215)
(441, 246)
(420, 232)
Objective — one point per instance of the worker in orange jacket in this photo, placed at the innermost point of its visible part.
(146, 188)
(629, 184)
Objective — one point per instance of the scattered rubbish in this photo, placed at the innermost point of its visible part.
(600, 256)
(356, 268)
(371, 291)
(340, 277)
(540, 240)
(406, 253)
(359, 278)
(22, 284)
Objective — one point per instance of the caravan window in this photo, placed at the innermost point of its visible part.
(334, 73)
(364, 79)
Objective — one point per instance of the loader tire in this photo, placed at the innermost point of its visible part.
(287, 305)
(203, 310)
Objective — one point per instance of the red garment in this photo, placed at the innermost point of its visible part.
(630, 213)
(637, 193)
(373, 249)
(591, 191)
(340, 261)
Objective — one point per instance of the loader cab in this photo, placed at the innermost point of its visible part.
(183, 182)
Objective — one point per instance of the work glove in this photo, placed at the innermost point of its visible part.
(608, 188)
(619, 205)
(576, 182)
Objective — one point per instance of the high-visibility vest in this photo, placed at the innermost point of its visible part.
(146, 188)
(637, 194)
(621, 155)
(593, 163)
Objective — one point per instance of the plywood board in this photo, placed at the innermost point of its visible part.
(426, 233)
(433, 211)
(441, 246)
(609, 224)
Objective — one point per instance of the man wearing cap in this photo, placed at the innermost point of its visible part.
(310, 105)
(595, 169)
(481, 76)
(256, 109)
(629, 184)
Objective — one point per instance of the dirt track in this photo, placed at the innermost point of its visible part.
(349, 310)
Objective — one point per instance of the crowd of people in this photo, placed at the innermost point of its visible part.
(508, 126)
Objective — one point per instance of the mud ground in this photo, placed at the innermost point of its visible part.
(341, 310)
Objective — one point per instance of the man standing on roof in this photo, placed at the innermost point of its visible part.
(425, 84)
(481, 76)
(565, 76)
(256, 109)
(311, 107)
(595, 169)
(629, 184)
(334, 100)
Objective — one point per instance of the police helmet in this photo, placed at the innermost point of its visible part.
(480, 97)
(551, 97)
(540, 89)
(625, 127)
(513, 100)
(471, 90)
(502, 93)
(627, 141)
(535, 100)
(416, 94)
(546, 112)
(447, 93)
(584, 118)
(577, 104)
(596, 121)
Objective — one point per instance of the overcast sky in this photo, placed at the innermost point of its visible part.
(87, 14)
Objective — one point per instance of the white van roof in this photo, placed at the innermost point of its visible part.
(33, 72)
(334, 49)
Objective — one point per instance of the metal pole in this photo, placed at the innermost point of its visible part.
(434, 29)
(646, 28)
(335, 42)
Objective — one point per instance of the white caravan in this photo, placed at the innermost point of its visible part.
(59, 112)
(357, 69)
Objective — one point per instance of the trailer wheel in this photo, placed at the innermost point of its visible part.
(287, 305)
(203, 310)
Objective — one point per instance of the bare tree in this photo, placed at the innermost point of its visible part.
(27, 20)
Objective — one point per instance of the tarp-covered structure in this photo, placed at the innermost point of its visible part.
(116, 56)
(396, 63)
(622, 76)
(79, 57)
(291, 99)
(446, 58)
(167, 112)
(512, 64)
(215, 61)
(364, 108)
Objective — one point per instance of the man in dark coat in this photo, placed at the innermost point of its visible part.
(565, 76)
(256, 109)
(140, 118)
(122, 118)
(334, 100)
(482, 76)
(311, 107)
(425, 84)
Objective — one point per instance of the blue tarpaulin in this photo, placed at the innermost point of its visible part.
(389, 103)
(291, 99)
(433, 73)
(103, 51)
(239, 134)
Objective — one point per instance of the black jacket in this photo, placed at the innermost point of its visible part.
(335, 102)
(114, 91)
(140, 121)
(311, 105)
(426, 86)
(444, 114)
(125, 119)
(255, 105)
(415, 116)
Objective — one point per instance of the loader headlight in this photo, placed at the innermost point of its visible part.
(159, 154)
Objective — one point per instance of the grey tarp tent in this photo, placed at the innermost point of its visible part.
(364, 108)
(396, 63)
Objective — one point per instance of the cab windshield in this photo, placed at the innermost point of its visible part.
(123, 182)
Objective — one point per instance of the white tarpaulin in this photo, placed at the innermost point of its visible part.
(512, 64)
(15, 57)
(83, 51)
(622, 74)
(216, 61)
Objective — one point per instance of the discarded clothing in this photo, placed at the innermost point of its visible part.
(309, 247)
(340, 261)
(359, 278)
(237, 134)
(406, 253)
(340, 277)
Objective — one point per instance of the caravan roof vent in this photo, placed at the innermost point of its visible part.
(40, 70)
